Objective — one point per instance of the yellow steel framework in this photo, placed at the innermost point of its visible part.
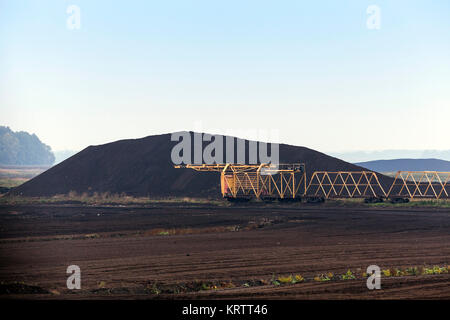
(281, 181)
(420, 184)
(345, 184)
(288, 181)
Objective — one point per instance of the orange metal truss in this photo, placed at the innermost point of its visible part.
(286, 181)
(260, 180)
(345, 184)
(421, 184)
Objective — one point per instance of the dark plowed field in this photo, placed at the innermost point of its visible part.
(214, 252)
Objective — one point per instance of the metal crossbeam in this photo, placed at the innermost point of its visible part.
(420, 184)
(259, 180)
(285, 181)
(345, 184)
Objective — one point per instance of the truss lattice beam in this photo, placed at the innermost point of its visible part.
(259, 180)
(345, 184)
(420, 185)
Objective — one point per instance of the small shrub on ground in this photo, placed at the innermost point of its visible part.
(205, 286)
(428, 271)
(322, 278)
(348, 275)
(413, 271)
(397, 272)
(285, 280)
(387, 273)
(154, 289)
(264, 282)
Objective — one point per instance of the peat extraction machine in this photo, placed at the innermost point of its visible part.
(288, 183)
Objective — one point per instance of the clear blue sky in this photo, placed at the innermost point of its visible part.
(310, 69)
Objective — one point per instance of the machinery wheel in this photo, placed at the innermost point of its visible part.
(399, 200)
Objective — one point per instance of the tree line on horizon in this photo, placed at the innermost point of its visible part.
(22, 148)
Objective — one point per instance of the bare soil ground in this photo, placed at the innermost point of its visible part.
(182, 252)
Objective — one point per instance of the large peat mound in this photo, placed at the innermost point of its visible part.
(143, 167)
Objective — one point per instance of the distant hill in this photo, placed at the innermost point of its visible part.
(406, 165)
(143, 167)
(362, 156)
(22, 148)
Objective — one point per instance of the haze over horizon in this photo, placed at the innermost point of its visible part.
(349, 156)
